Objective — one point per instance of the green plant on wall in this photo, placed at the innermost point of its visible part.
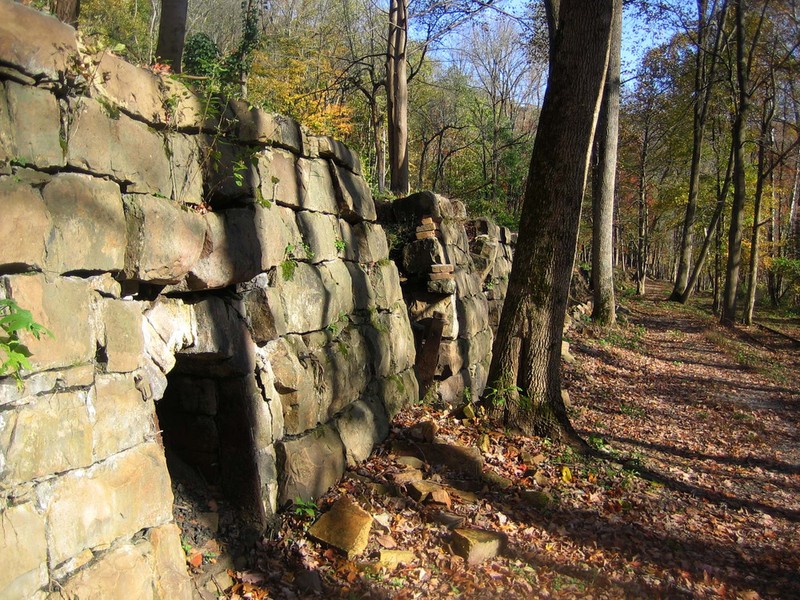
(15, 320)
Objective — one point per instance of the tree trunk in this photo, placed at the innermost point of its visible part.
(171, 33)
(752, 272)
(397, 96)
(524, 389)
(603, 185)
(376, 123)
(68, 11)
(737, 210)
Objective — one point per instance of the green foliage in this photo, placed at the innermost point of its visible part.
(303, 508)
(289, 264)
(123, 25)
(15, 320)
(201, 56)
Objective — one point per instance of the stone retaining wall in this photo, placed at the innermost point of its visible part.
(217, 273)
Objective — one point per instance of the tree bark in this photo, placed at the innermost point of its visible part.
(524, 389)
(603, 184)
(397, 96)
(68, 11)
(172, 33)
(641, 246)
(737, 210)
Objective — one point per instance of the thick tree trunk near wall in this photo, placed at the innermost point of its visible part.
(397, 96)
(171, 33)
(603, 185)
(524, 389)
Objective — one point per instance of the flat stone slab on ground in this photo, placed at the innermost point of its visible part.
(345, 526)
(477, 545)
(467, 462)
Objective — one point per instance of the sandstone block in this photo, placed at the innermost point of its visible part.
(261, 127)
(174, 322)
(375, 286)
(294, 386)
(316, 186)
(171, 580)
(123, 418)
(473, 315)
(353, 196)
(134, 90)
(391, 340)
(164, 242)
(118, 146)
(364, 242)
(329, 148)
(50, 435)
(230, 173)
(223, 344)
(112, 499)
(88, 224)
(321, 232)
(36, 122)
(187, 110)
(24, 550)
(479, 347)
(345, 526)
(310, 465)
(398, 391)
(232, 252)
(123, 339)
(278, 235)
(47, 52)
(277, 170)
(419, 255)
(27, 222)
(64, 307)
(477, 545)
(186, 166)
(263, 309)
(121, 574)
(45, 381)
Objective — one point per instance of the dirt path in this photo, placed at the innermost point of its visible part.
(723, 436)
(705, 421)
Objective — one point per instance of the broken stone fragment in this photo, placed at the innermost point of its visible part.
(477, 545)
(497, 481)
(421, 490)
(425, 431)
(345, 526)
(407, 476)
(537, 499)
(531, 460)
(392, 558)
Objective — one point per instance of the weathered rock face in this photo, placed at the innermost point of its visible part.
(220, 285)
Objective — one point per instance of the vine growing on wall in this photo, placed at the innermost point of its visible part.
(15, 320)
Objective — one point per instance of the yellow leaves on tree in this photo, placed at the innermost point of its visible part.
(297, 84)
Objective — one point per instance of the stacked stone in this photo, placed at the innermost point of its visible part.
(492, 250)
(442, 279)
(152, 235)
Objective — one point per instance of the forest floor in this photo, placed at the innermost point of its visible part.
(701, 500)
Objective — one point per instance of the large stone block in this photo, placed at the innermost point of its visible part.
(51, 434)
(263, 309)
(277, 171)
(36, 123)
(316, 186)
(116, 498)
(121, 574)
(88, 224)
(45, 381)
(391, 340)
(23, 547)
(397, 391)
(232, 252)
(123, 418)
(171, 579)
(361, 426)
(419, 255)
(164, 242)
(132, 89)
(375, 286)
(473, 315)
(315, 296)
(63, 306)
(35, 43)
(342, 155)
(309, 466)
(186, 167)
(230, 173)
(321, 232)
(365, 242)
(27, 222)
(122, 338)
(294, 386)
(278, 235)
(353, 195)
(261, 127)
(116, 145)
